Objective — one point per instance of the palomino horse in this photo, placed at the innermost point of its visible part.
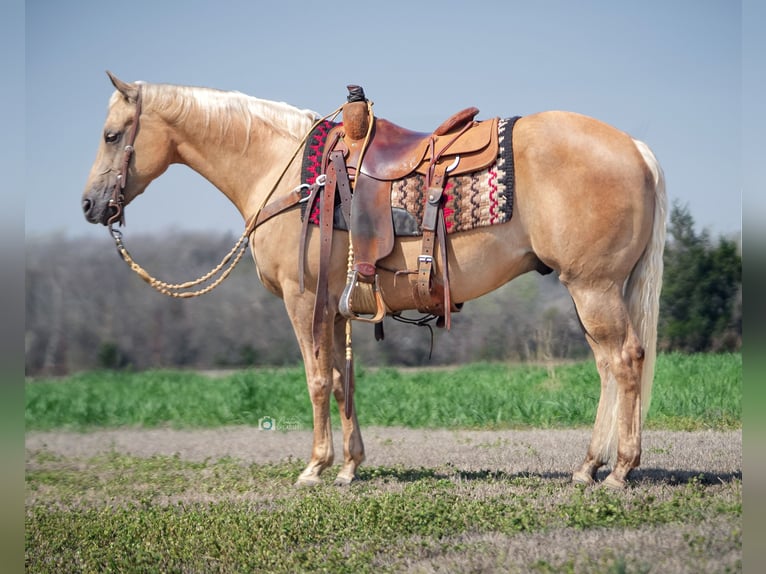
(589, 203)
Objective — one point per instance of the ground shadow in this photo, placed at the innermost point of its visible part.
(677, 476)
(652, 476)
(402, 474)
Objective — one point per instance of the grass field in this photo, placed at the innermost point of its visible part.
(123, 514)
(117, 512)
(690, 392)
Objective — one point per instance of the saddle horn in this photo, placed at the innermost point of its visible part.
(356, 117)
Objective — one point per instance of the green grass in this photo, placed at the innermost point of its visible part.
(690, 392)
(118, 513)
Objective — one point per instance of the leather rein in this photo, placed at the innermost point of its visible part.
(264, 212)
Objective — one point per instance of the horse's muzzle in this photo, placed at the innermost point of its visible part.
(96, 211)
(87, 208)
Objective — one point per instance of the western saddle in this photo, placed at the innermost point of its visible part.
(362, 157)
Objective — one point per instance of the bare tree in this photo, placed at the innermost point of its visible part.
(86, 309)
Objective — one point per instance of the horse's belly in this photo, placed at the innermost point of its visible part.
(480, 261)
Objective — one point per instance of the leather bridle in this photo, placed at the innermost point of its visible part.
(117, 201)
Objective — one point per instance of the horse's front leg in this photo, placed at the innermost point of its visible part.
(319, 378)
(353, 447)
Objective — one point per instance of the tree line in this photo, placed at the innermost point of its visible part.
(86, 310)
(701, 301)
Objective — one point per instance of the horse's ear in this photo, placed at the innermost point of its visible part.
(130, 91)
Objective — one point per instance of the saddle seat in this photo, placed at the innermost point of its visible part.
(395, 152)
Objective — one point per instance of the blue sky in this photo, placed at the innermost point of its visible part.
(667, 72)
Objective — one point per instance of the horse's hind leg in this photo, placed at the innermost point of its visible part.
(353, 447)
(619, 359)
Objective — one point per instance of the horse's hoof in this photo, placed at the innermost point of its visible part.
(614, 483)
(343, 480)
(307, 482)
(582, 478)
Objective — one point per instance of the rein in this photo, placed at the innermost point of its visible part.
(264, 212)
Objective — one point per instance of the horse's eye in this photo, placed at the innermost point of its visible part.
(112, 137)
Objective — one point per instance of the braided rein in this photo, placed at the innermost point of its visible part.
(180, 290)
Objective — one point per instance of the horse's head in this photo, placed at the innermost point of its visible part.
(135, 148)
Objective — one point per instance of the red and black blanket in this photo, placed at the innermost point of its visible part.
(472, 200)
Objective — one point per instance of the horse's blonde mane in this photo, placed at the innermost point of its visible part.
(227, 115)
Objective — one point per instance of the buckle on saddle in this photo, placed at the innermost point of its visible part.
(361, 300)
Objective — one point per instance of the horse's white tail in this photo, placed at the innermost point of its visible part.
(645, 282)
(642, 294)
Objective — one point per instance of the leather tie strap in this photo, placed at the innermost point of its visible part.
(319, 182)
(336, 179)
(344, 186)
(327, 209)
(442, 236)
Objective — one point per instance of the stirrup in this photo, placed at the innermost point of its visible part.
(368, 299)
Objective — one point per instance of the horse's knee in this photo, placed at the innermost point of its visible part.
(319, 388)
(337, 384)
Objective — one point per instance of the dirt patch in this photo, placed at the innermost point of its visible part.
(553, 453)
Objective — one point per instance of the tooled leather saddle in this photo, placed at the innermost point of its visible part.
(360, 159)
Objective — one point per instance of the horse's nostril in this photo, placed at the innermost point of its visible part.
(86, 205)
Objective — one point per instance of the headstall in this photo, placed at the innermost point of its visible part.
(117, 201)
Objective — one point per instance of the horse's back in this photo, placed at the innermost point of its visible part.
(584, 192)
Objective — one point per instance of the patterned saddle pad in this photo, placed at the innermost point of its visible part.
(472, 200)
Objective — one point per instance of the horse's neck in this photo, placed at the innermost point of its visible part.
(239, 144)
